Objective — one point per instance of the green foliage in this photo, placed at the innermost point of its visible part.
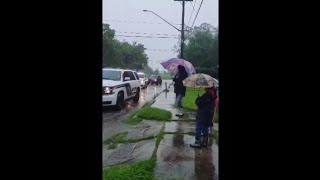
(214, 72)
(156, 72)
(116, 139)
(188, 101)
(216, 136)
(142, 170)
(121, 54)
(149, 113)
(201, 46)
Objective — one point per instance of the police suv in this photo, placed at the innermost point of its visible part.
(118, 86)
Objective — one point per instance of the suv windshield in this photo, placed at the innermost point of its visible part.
(111, 75)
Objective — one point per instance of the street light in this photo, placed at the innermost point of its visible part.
(182, 31)
(162, 19)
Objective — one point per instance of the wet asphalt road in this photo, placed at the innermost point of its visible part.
(114, 121)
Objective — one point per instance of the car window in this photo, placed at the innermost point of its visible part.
(137, 77)
(129, 74)
(111, 75)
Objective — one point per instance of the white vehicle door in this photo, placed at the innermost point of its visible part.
(130, 83)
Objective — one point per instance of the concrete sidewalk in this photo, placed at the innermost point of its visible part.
(175, 159)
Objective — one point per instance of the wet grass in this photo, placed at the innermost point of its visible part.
(216, 120)
(133, 118)
(159, 138)
(122, 138)
(139, 139)
(149, 113)
(147, 104)
(188, 102)
(215, 136)
(115, 140)
(143, 170)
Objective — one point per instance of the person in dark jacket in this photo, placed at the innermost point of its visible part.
(204, 116)
(179, 88)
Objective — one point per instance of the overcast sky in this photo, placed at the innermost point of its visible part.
(127, 19)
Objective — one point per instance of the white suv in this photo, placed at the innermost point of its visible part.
(143, 79)
(119, 85)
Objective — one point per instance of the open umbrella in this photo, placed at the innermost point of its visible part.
(203, 80)
(200, 80)
(172, 65)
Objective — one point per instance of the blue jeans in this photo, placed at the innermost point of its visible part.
(179, 99)
(201, 128)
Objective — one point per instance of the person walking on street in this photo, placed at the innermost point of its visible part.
(179, 88)
(204, 116)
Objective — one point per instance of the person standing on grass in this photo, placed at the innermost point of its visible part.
(204, 116)
(179, 88)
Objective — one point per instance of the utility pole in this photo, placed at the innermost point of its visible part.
(182, 30)
(182, 24)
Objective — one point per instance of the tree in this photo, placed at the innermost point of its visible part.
(147, 70)
(122, 54)
(156, 72)
(201, 46)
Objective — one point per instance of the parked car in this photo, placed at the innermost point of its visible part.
(119, 85)
(143, 79)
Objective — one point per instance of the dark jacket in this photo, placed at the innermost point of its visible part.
(205, 110)
(179, 88)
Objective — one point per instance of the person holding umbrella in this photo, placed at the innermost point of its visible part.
(204, 116)
(206, 106)
(179, 88)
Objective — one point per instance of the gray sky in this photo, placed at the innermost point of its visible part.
(127, 19)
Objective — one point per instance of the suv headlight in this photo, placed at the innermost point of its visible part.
(108, 90)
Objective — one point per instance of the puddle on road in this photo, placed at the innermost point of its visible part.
(176, 159)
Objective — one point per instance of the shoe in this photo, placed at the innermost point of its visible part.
(196, 144)
(204, 141)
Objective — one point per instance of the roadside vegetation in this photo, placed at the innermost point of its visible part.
(149, 113)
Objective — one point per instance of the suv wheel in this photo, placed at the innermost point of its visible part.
(137, 96)
(120, 99)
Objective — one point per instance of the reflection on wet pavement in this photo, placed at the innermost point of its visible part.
(179, 127)
(176, 159)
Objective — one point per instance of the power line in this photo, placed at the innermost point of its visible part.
(158, 50)
(160, 37)
(197, 13)
(134, 22)
(192, 10)
(148, 33)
